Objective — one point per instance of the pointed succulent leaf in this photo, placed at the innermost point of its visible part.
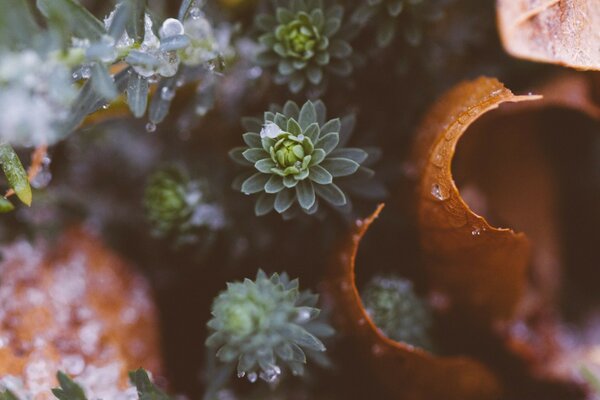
(331, 193)
(302, 337)
(328, 142)
(351, 153)
(306, 194)
(320, 175)
(284, 200)
(291, 110)
(254, 184)
(308, 115)
(68, 389)
(15, 173)
(254, 155)
(264, 205)
(340, 166)
(237, 155)
(145, 388)
(137, 94)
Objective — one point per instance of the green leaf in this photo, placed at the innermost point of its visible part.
(8, 395)
(320, 175)
(237, 155)
(328, 142)
(317, 156)
(314, 74)
(265, 165)
(340, 49)
(395, 7)
(102, 82)
(274, 184)
(354, 154)
(254, 184)
(284, 200)
(5, 206)
(15, 173)
(332, 26)
(331, 193)
(308, 115)
(252, 124)
(120, 18)
(145, 388)
(312, 132)
(17, 26)
(340, 166)
(293, 127)
(137, 94)
(68, 389)
(252, 139)
(254, 155)
(291, 110)
(302, 337)
(306, 194)
(321, 111)
(264, 205)
(135, 25)
(80, 22)
(284, 16)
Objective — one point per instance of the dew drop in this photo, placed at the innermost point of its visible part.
(241, 374)
(438, 192)
(476, 232)
(252, 377)
(150, 127)
(166, 93)
(195, 13)
(171, 27)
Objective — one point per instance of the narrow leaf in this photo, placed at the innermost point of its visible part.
(15, 173)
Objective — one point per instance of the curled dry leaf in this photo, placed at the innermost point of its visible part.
(562, 32)
(405, 371)
(481, 269)
(491, 275)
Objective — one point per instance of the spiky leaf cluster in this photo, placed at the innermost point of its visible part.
(296, 157)
(179, 207)
(397, 310)
(391, 17)
(303, 39)
(265, 325)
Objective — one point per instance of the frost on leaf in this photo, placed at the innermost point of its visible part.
(562, 32)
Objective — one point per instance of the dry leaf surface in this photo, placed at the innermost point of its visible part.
(565, 32)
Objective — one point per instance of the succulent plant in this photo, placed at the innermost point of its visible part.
(397, 310)
(305, 41)
(265, 325)
(389, 16)
(296, 157)
(179, 207)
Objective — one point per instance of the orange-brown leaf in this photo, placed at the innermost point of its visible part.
(562, 32)
(480, 268)
(407, 372)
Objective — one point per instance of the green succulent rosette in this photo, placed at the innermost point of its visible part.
(397, 310)
(181, 209)
(296, 158)
(392, 17)
(305, 42)
(265, 325)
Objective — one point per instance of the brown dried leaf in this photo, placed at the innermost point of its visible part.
(481, 269)
(407, 372)
(77, 307)
(565, 32)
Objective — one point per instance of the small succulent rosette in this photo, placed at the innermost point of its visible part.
(182, 209)
(406, 17)
(266, 325)
(296, 157)
(398, 311)
(304, 41)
